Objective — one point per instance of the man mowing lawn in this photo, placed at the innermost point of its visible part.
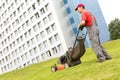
(88, 20)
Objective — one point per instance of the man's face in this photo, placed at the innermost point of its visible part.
(79, 9)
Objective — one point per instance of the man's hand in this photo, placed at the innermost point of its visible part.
(81, 25)
(81, 28)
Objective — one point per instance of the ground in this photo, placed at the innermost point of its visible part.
(88, 70)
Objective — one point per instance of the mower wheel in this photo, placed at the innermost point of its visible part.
(66, 65)
(53, 68)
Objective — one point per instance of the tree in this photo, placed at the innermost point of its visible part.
(114, 28)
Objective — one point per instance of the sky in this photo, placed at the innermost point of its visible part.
(110, 9)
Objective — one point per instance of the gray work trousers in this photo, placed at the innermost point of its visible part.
(98, 49)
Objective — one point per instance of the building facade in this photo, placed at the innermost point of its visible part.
(32, 31)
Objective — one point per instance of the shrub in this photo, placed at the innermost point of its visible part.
(114, 28)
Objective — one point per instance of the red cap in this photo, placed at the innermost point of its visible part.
(79, 5)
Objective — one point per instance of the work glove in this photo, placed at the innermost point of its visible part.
(81, 27)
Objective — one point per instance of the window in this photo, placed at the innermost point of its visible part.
(68, 10)
(38, 37)
(29, 43)
(53, 26)
(23, 26)
(10, 28)
(45, 43)
(11, 16)
(43, 56)
(50, 16)
(75, 30)
(39, 2)
(12, 36)
(1, 26)
(37, 15)
(16, 1)
(65, 1)
(27, 23)
(13, 24)
(31, 52)
(42, 34)
(33, 61)
(51, 40)
(29, 32)
(60, 48)
(42, 11)
(48, 53)
(35, 50)
(5, 12)
(30, 10)
(22, 57)
(0, 19)
(33, 41)
(26, 1)
(3, 16)
(14, 44)
(6, 58)
(32, 19)
(21, 38)
(40, 46)
(9, 9)
(17, 21)
(56, 37)
(47, 7)
(48, 30)
(18, 60)
(19, 30)
(38, 58)
(22, 6)
(14, 13)
(18, 9)
(54, 50)
(16, 52)
(0, 8)
(35, 28)
(8, 20)
(33, 6)
(6, 31)
(5, 23)
(16, 32)
(25, 14)
(26, 55)
(21, 18)
(20, 49)
(39, 24)
(45, 21)
(71, 20)
(12, 5)
(13, 54)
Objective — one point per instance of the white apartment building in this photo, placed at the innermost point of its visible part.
(32, 31)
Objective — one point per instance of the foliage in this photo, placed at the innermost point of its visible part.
(88, 70)
(114, 28)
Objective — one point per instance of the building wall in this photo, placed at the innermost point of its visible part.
(29, 33)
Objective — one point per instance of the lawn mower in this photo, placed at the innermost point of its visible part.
(72, 55)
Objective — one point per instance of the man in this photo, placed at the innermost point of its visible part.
(88, 20)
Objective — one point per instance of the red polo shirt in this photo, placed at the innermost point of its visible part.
(87, 17)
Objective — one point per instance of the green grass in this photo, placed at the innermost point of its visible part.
(88, 70)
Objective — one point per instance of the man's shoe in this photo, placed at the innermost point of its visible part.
(108, 58)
